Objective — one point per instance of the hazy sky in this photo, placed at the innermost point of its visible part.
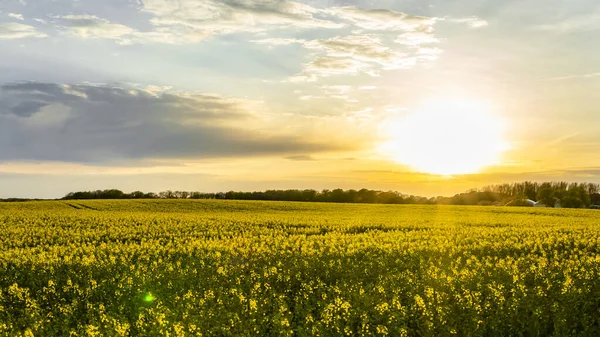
(214, 95)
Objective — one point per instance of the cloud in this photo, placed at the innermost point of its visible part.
(573, 77)
(472, 22)
(368, 50)
(365, 52)
(383, 19)
(16, 16)
(561, 139)
(27, 108)
(226, 14)
(310, 97)
(429, 54)
(11, 30)
(329, 66)
(586, 22)
(415, 39)
(332, 92)
(300, 158)
(279, 41)
(86, 123)
(336, 89)
(352, 55)
(93, 27)
(212, 17)
(191, 21)
(207, 18)
(364, 48)
(339, 92)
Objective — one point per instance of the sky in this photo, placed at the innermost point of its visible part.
(422, 97)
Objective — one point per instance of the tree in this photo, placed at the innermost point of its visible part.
(137, 195)
(389, 197)
(571, 202)
(367, 196)
(546, 196)
(578, 192)
(575, 194)
(595, 199)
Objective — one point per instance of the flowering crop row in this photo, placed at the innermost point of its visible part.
(229, 268)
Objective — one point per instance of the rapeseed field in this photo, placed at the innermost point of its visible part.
(233, 268)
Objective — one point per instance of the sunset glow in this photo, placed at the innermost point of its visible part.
(446, 137)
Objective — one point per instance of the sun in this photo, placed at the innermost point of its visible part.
(446, 137)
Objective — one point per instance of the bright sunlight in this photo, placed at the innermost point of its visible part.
(446, 137)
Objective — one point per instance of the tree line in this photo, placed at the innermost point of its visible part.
(566, 194)
(551, 194)
(308, 195)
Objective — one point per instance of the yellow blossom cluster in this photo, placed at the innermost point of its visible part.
(241, 268)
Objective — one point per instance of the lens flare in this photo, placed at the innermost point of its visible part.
(148, 298)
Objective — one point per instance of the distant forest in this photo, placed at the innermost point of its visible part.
(551, 194)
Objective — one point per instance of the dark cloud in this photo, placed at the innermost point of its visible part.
(85, 22)
(27, 108)
(85, 123)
